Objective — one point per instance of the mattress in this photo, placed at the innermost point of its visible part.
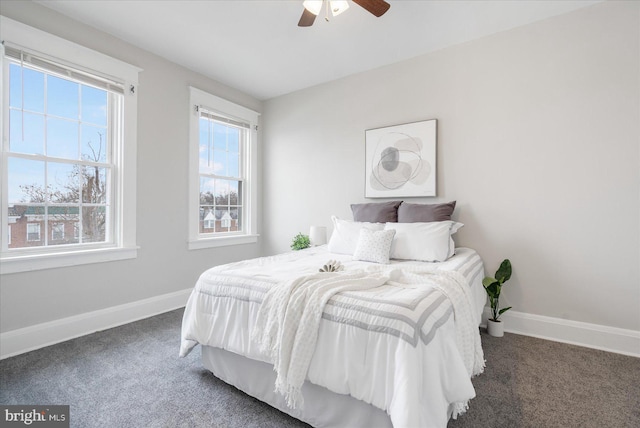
(368, 348)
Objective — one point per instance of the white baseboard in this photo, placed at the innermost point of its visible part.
(611, 339)
(38, 336)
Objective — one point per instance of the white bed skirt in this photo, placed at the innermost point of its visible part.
(322, 408)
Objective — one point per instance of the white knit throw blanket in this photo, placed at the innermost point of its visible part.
(289, 318)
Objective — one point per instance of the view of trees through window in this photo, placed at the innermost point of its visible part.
(59, 153)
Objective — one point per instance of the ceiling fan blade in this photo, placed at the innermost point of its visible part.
(307, 18)
(377, 7)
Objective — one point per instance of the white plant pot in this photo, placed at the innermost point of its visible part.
(495, 328)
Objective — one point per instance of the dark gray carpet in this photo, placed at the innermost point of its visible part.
(130, 376)
(531, 382)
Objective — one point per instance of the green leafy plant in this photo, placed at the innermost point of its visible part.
(300, 242)
(493, 287)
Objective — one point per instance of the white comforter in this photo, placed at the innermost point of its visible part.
(393, 346)
(289, 319)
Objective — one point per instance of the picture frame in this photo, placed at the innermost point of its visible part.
(400, 160)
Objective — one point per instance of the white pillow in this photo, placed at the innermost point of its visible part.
(374, 246)
(427, 242)
(346, 233)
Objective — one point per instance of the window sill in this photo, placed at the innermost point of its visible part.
(31, 262)
(199, 244)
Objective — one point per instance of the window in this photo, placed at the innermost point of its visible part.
(222, 172)
(68, 139)
(33, 232)
(57, 231)
(59, 153)
(209, 220)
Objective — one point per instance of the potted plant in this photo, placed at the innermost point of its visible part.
(493, 287)
(300, 242)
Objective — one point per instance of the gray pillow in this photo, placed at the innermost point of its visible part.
(414, 213)
(380, 212)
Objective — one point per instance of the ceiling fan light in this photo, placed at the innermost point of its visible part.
(313, 6)
(338, 6)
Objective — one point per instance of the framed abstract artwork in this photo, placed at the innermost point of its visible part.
(401, 160)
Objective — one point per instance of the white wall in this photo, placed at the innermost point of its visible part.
(538, 141)
(164, 265)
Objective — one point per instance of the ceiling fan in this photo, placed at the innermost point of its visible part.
(313, 7)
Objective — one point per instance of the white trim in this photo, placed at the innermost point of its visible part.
(50, 46)
(605, 338)
(27, 339)
(198, 244)
(31, 262)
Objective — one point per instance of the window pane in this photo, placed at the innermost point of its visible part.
(62, 97)
(63, 182)
(220, 136)
(207, 219)
(207, 189)
(62, 138)
(204, 145)
(28, 228)
(63, 225)
(233, 192)
(236, 224)
(233, 140)
(94, 185)
(16, 229)
(15, 86)
(94, 105)
(220, 162)
(15, 131)
(93, 224)
(224, 225)
(29, 139)
(223, 190)
(94, 143)
(25, 181)
(233, 165)
(33, 86)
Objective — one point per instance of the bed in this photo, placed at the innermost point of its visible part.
(377, 328)
(370, 381)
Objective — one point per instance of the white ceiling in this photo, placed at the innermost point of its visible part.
(256, 46)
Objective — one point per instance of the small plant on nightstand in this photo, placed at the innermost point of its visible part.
(300, 242)
(493, 287)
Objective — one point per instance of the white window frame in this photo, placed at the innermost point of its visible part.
(64, 52)
(196, 240)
